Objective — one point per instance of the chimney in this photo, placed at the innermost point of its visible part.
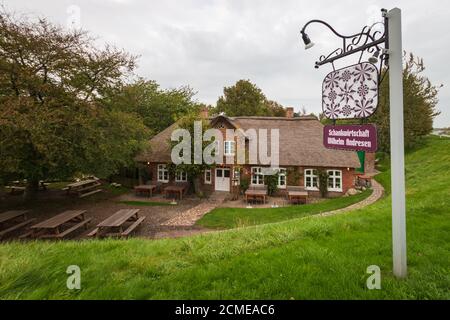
(289, 112)
(204, 113)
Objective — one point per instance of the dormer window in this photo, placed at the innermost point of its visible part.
(229, 148)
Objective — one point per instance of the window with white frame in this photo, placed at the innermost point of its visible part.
(335, 180)
(282, 178)
(257, 176)
(208, 176)
(229, 148)
(163, 173)
(237, 176)
(180, 176)
(311, 179)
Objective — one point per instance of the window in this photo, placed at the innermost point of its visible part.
(237, 176)
(282, 178)
(180, 176)
(257, 176)
(335, 180)
(163, 173)
(229, 148)
(208, 176)
(311, 179)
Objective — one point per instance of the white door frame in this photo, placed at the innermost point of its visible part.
(222, 183)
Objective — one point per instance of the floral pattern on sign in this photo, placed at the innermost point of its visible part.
(351, 92)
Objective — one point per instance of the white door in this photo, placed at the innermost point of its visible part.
(222, 181)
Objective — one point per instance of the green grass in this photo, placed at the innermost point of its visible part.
(311, 258)
(225, 218)
(145, 203)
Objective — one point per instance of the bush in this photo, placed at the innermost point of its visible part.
(244, 184)
(271, 182)
(323, 182)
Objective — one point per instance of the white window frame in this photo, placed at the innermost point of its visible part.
(309, 173)
(163, 173)
(206, 181)
(332, 175)
(229, 147)
(237, 176)
(258, 174)
(282, 172)
(180, 176)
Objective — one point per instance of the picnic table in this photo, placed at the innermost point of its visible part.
(145, 189)
(255, 194)
(83, 188)
(115, 224)
(60, 225)
(176, 189)
(297, 196)
(13, 220)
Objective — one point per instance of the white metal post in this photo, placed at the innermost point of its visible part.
(397, 143)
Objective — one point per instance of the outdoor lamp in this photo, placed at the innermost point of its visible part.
(307, 41)
(374, 59)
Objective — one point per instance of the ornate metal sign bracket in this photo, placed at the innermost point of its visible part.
(368, 40)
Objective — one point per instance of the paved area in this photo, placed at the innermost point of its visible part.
(189, 217)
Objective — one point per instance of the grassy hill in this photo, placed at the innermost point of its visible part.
(312, 258)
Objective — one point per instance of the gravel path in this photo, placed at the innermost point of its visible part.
(190, 217)
(377, 193)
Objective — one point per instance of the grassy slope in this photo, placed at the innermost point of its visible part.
(241, 217)
(308, 258)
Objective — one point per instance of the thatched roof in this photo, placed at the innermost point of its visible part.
(301, 142)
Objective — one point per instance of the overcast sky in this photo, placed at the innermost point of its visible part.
(209, 44)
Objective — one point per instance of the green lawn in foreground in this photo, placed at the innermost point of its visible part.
(240, 217)
(311, 258)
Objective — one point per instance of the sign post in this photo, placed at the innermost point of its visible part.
(397, 143)
(352, 93)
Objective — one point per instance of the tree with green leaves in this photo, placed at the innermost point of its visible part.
(192, 169)
(158, 108)
(419, 99)
(54, 121)
(246, 99)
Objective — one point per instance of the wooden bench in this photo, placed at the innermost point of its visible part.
(68, 231)
(89, 193)
(93, 233)
(132, 227)
(15, 189)
(15, 227)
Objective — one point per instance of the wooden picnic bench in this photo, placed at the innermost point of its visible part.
(256, 194)
(60, 225)
(296, 194)
(83, 188)
(15, 189)
(146, 189)
(13, 220)
(115, 225)
(178, 189)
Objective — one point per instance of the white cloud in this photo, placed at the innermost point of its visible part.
(210, 44)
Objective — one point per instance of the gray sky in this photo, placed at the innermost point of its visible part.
(209, 44)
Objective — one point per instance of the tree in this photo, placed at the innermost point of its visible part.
(246, 99)
(158, 108)
(192, 170)
(53, 118)
(419, 99)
